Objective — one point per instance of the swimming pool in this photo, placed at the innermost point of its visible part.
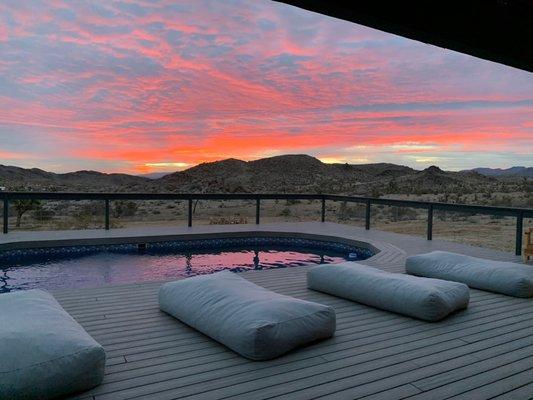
(102, 265)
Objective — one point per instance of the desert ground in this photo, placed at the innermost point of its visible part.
(479, 230)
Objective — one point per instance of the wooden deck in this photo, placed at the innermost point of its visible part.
(484, 352)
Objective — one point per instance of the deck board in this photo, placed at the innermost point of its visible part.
(483, 352)
(374, 353)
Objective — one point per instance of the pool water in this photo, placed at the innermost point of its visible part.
(110, 267)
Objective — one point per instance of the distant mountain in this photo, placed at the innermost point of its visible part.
(294, 173)
(15, 178)
(302, 173)
(526, 172)
(435, 177)
(155, 175)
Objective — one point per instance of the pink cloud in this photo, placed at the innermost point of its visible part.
(142, 82)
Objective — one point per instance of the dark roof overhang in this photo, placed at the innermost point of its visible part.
(496, 30)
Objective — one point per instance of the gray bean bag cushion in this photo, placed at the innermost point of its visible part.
(495, 276)
(427, 299)
(252, 321)
(44, 352)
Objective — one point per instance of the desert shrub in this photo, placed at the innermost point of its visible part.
(228, 221)
(392, 187)
(124, 208)
(375, 192)
(348, 212)
(84, 216)
(23, 206)
(285, 212)
(88, 209)
(42, 214)
(343, 211)
(402, 213)
(82, 221)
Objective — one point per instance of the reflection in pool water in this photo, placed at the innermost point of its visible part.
(104, 268)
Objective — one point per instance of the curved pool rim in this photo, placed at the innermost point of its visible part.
(189, 241)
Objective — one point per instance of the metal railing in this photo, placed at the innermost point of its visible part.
(518, 213)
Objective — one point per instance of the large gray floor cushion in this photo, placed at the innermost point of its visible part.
(427, 299)
(495, 276)
(44, 352)
(253, 321)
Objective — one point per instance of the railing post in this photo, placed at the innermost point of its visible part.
(367, 215)
(257, 210)
(323, 217)
(6, 214)
(519, 228)
(189, 219)
(430, 222)
(106, 214)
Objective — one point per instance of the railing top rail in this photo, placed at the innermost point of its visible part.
(155, 196)
(500, 210)
(480, 209)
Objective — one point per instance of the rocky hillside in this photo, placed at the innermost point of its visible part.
(282, 174)
(525, 172)
(302, 173)
(15, 178)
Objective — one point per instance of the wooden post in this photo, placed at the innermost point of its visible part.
(257, 210)
(189, 222)
(323, 218)
(519, 228)
(106, 214)
(367, 215)
(430, 222)
(6, 215)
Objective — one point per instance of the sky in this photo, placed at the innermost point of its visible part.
(144, 86)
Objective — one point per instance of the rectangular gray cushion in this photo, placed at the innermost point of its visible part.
(427, 299)
(495, 276)
(253, 321)
(44, 352)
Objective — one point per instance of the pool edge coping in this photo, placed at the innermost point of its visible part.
(380, 249)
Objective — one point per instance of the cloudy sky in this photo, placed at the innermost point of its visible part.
(141, 86)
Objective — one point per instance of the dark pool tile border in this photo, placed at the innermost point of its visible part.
(191, 244)
(134, 239)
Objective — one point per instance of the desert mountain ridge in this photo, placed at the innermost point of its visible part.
(295, 173)
(526, 172)
(16, 178)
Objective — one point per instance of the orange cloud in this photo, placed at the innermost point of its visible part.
(141, 86)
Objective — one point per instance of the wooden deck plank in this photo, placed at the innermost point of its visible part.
(347, 341)
(351, 373)
(514, 368)
(485, 351)
(426, 324)
(518, 392)
(399, 392)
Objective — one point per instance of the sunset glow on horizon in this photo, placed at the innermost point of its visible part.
(140, 86)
